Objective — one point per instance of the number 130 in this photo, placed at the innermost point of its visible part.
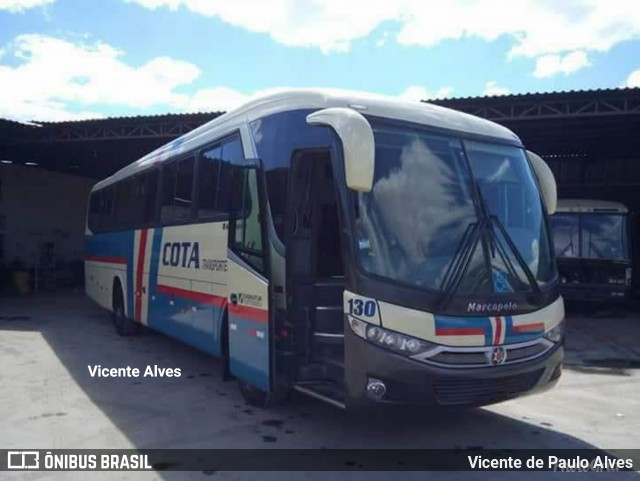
(358, 307)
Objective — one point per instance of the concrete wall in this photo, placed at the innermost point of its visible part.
(39, 206)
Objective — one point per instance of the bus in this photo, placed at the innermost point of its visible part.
(359, 249)
(591, 241)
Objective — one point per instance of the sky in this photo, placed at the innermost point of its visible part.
(78, 59)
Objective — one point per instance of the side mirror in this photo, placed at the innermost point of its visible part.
(546, 180)
(357, 141)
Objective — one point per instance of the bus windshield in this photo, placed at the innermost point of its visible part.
(591, 236)
(440, 204)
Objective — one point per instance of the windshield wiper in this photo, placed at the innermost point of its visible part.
(460, 261)
(504, 256)
(523, 264)
(470, 230)
(474, 233)
(494, 244)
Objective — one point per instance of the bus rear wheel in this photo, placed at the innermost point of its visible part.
(124, 326)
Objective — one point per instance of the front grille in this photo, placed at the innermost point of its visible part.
(455, 357)
(460, 358)
(525, 352)
(479, 391)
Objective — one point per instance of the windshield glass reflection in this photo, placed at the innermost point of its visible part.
(591, 236)
(508, 189)
(412, 223)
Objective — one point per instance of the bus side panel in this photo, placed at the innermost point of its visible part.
(107, 257)
(249, 349)
(187, 283)
(211, 284)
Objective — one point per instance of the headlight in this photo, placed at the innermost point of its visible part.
(555, 334)
(396, 342)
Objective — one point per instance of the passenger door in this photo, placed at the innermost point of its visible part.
(248, 284)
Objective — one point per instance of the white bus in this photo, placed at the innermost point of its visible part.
(593, 251)
(357, 248)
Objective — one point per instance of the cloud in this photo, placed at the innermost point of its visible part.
(633, 80)
(330, 25)
(45, 88)
(536, 27)
(384, 38)
(418, 93)
(492, 88)
(550, 65)
(21, 5)
(95, 75)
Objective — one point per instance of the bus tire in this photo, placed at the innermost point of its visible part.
(124, 326)
(224, 349)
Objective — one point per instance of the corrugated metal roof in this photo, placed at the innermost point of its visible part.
(443, 101)
(532, 95)
(138, 118)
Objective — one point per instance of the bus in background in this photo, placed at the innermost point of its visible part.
(356, 248)
(591, 240)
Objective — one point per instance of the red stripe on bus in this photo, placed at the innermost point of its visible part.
(142, 248)
(496, 337)
(462, 331)
(251, 313)
(200, 297)
(534, 326)
(109, 260)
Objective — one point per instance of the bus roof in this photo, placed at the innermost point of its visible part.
(297, 99)
(590, 206)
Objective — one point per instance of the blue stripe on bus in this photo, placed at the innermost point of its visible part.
(199, 328)
(249, 354)
(179, 320)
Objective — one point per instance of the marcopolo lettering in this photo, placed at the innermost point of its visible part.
(181, 254)
(491, 306)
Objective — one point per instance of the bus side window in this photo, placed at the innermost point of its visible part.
(177, 184)
(214, 179)
(208, 179)
(182, 200)
(231, 150)
(168, 190)
(100, 210)
(247, 235)
(139, 195)
(107, 218)
(124, 209)
(144, 199)
(151, 196)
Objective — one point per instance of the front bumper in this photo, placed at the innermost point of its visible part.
(411, 382)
